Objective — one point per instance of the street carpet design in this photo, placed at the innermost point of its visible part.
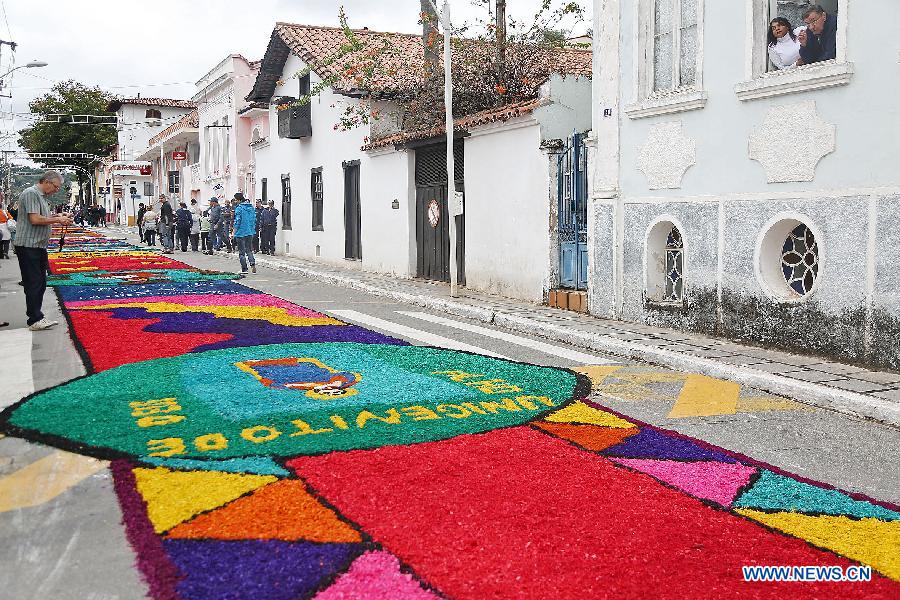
(263, 449)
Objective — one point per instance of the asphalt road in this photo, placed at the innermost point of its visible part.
(63, 533)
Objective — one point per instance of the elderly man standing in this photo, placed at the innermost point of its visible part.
(32, 236)
(818, 41)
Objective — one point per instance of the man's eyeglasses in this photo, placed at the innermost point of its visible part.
(811, 22)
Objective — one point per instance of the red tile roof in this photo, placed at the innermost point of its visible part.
(401, 70)
(116, 104)
(188, 121)
(316, 46)
(493, 115)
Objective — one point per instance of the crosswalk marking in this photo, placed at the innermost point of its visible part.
(431, 339)
(45, 479)
(15, 346)
(567, 353)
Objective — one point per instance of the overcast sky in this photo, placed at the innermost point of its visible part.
(159, 48)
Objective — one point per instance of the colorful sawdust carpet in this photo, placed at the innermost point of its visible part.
(261, 448)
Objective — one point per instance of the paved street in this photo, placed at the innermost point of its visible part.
(62, 514)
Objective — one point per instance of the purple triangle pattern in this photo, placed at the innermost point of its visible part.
(268, 569)
(652, 443)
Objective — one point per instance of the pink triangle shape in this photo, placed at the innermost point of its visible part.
(708, 480)
(376, 576)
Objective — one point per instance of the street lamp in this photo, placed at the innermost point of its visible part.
(29, 65)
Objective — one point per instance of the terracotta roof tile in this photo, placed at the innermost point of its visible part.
(402, 70)
(188, 121)
(315, 45)
(493, 115)
(116, 104)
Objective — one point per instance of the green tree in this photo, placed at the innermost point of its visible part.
(67, 99)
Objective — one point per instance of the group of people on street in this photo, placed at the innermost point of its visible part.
(236, 225)
(94, 215)
(29, 223)
(812, 42)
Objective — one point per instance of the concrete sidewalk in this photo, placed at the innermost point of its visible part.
(812, 380)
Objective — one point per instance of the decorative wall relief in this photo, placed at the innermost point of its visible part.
(666, 155)
(791, 141)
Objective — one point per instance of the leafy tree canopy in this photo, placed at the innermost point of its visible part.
(68, 98)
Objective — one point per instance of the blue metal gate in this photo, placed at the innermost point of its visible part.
(572, 214)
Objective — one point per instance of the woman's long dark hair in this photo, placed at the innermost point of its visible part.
(781, 21)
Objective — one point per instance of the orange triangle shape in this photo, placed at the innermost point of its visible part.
(283, 510)
(590, 437)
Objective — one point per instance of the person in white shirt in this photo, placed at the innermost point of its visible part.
(150, 222)
(784, 47)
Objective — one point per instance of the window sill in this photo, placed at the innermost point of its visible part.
(799, 79)
(318, 229)
(666, 104)
(666, 306)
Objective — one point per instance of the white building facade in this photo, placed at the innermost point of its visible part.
(382, 206)
(224, 135)
(731, 198)
(129, 174)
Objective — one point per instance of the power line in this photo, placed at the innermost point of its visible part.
(5, 19)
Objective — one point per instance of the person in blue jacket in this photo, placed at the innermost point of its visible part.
(244, 231)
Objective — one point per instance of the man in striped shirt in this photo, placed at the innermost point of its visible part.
(32, 237)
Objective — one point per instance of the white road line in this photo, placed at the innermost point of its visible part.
(15, 346)
(573, 355)
(431, 339)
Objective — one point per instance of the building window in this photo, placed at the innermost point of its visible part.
(174, 182)
(304, 86)
(265, 190)
(318, 198)
(148, 189)
(285, 201)
(788, 259)
(669, 73)
(674, 267)
(226, 146)
(761, 81)
(664, 263)
(800, 260)
(153, 113)
(674, 44)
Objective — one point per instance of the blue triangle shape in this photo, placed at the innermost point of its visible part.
(268, 569)
(777, 492)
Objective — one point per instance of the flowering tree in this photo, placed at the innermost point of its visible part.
(495, 61)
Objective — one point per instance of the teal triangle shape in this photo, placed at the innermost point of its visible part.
(777, 492)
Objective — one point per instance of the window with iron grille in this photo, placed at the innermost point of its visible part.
(174, 182)
(674, 267)
(265, 190)
(286, 201)
(148, 189)
(318, 199)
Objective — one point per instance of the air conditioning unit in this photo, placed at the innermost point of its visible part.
(294, 122)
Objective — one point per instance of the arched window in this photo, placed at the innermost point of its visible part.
(255, 137)
(800, 259)
(664, 263)
(153, 113)
(674, 267)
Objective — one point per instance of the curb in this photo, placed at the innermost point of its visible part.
(849, 403)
